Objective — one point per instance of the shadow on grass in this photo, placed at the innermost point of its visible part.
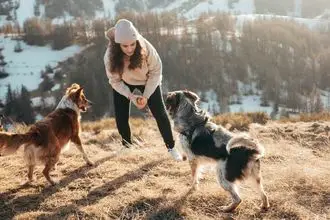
(100, 192)
(276, 211)
(173, 211)
(151, 208)
(11, 206)
(138, 209)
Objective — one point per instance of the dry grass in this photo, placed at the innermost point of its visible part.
(241, 121)
(322, 116)
(145, 183)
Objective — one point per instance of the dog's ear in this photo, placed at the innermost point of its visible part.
(191, 95)
(171, 98)
(73, 87)
(76, 95)
(172, 101)
(79, 91)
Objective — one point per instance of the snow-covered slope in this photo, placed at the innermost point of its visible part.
(186, 8)
(311, 23)
(241, 7)
(193, 11)
(24, 68)
(109, 8)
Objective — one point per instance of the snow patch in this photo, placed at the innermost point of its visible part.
(24, 68)
(48, 101)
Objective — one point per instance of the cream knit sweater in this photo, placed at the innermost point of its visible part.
(149, 75)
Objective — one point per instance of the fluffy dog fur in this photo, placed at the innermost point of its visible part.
(236, 157)
(46, 139)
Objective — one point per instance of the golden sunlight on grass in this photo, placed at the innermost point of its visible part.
(145, 183)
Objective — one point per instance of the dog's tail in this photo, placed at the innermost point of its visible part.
(246, 141)
(9, 143)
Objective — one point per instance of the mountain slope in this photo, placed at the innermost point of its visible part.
(24, 68)
(187, 8)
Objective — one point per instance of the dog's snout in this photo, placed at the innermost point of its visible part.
(89, 102)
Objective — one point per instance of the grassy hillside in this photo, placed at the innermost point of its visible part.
(145, 183)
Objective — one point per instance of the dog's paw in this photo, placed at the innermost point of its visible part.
(264, 207)
(27, 183)
(53, 182)
(230, 208)
(195, 187)
(226, 209)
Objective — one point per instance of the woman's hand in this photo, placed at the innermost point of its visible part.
(141, 102)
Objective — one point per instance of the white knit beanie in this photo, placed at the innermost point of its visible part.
(125, 31)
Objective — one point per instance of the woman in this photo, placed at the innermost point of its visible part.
(131, 62)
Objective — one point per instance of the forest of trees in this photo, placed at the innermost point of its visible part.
(283, 62)
(8, 8)
(18, 106)
(309, 8)
(88, 8)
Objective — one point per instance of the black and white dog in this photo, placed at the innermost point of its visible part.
(236, 157)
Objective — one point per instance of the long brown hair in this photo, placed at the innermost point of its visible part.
(116, 57)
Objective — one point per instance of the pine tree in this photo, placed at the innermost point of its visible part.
(10, 8)
(318, 105)
(10, 103)
(263, 99)
(26, 111)
(1, 123)
(3, 63)
(328, 99)
(2, 59)
(284, 113)
(18, 47)
(224, 107)
(46, 84)
(275, 110)
(239, 98)
(36, 9)
(231, 3)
